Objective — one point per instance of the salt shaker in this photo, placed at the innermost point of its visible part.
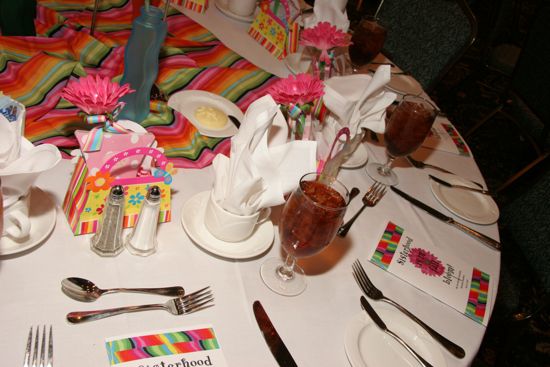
(108, 239)
(143, 239)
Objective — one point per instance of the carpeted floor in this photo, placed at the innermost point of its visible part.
(468, 93)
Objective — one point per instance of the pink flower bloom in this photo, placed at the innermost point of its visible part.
(94, 94)
(427, 262)
(300, 89)
(324, 36)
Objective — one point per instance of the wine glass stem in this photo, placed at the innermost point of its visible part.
(385, 170)
(286, 271)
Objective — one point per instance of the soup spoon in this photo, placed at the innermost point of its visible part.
(86, 291)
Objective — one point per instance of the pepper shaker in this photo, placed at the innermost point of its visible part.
(108, 239)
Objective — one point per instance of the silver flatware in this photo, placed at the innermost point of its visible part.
(235, 121)
(353, 193)
(372, 292)
(36, 343)
(422, 165)
(378, 321)
(86, 291)
(370, 199)
(272, 338)
(462, 187)
(486, 240)
(190, 303)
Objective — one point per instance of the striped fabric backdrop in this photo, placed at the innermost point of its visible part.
(34, 70)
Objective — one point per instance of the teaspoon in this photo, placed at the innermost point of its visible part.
(86, 291)
(352, 194)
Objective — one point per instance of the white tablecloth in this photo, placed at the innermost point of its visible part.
(312, 324)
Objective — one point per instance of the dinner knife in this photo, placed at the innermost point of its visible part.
(463, 187)
(378, 321)
(494, 244)
(272, 338)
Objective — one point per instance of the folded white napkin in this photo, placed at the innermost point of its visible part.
(332, 11)
(355, 101)
(11, 129)
(262, 167)
(18, 176)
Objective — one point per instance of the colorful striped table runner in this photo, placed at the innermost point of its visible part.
(34, 70)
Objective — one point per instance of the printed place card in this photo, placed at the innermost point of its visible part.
(444, 136)
(465, 287)
(193, 347)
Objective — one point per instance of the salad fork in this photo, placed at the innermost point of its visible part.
(371, 198)
(34, 344)
(187, 304)
(372, 292)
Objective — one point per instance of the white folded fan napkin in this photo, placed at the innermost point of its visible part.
(258, 174)
(19, 176)
(332, 11)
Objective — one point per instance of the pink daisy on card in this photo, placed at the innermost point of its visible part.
(427, 262)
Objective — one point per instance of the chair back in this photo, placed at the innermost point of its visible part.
(426, 37)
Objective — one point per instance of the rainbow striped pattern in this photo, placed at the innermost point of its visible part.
(199, 6)
(34, 70)
(477, 299)
(387, 245)
(457, 140)
(164, 344)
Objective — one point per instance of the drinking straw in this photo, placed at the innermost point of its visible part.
(94, 14)
(146, 5)
(378, 9)
(166, 9)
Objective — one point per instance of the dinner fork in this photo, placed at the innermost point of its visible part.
(187, 304)
(422, 165)
(34, 346)
(371, 198)
(372, 292)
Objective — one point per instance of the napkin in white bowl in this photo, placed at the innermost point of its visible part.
(332, 11)
(12, 118)
(261, 167)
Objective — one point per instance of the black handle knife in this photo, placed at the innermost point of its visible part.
(494, 244)
(272, 338)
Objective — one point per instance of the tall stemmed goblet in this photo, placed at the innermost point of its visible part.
(406, 128)
(309, 221)
(367, 41)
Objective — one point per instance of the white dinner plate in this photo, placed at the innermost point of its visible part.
(404, 84)
(193, 222)
(225, 10)
(186, 102)
(472, 206)
(368, 346)
(42, 214)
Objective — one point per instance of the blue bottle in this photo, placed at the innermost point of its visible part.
(141, 61)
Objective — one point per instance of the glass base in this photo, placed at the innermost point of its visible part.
(374, 170)
(286, 286)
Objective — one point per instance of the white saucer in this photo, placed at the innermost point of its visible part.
(186, 102)
(404, 84)
(471, 206)
(225, 10)
(193, 223)
(358, 158)
(368, 346)
(42, 215)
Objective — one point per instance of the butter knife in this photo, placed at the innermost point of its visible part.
(486, 240)
(463, 187)
(378, 321)
(272, 338)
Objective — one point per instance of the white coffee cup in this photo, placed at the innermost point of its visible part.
(17, 223)
(244, 8)
(230, 227)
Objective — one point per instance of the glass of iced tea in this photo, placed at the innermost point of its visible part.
(367, 41)
(309, 221)
(406, 129)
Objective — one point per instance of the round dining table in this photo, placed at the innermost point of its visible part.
(319, 326)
